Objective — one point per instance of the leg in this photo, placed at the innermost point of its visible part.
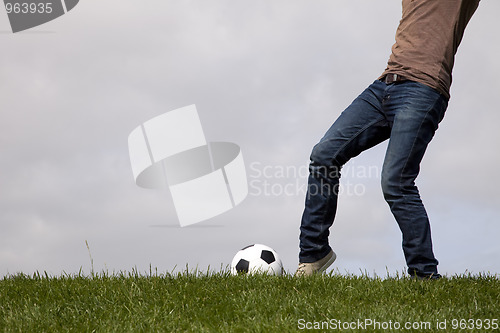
(415, 111)
(361, 126)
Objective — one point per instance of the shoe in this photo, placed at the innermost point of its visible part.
(418, 276)
(310, 268)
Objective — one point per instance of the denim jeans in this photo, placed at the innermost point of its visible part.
(407, 113)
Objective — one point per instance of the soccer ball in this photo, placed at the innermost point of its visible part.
(256, 258)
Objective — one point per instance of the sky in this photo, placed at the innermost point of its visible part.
(268, 75)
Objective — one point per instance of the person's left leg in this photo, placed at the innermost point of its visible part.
(361, 126)
(414, 110)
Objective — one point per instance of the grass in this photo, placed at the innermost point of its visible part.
(219, 302)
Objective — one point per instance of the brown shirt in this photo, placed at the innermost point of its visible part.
(427, 39)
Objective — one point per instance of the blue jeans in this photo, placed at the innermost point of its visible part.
(407, 113)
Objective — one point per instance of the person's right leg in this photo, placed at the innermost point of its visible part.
(414, 111)
(361, 126)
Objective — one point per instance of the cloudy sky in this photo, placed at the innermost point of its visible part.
(269, 75)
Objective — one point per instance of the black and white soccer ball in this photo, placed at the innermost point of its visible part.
(256, 258)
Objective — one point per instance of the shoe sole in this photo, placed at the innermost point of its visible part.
(328, 263)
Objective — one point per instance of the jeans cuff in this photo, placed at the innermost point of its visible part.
(309, 258)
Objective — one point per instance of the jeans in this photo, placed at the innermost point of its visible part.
(407, 113)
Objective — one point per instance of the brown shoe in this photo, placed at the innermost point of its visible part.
(309, 268)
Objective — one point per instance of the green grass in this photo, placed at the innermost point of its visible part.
(218, 302)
